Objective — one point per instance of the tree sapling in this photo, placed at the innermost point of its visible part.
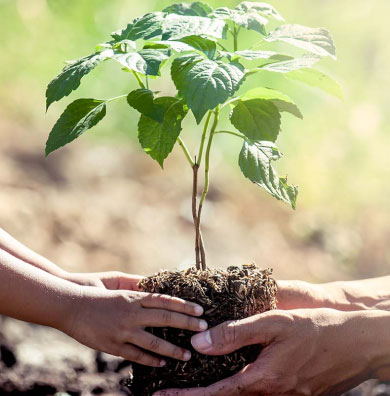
(208, 66)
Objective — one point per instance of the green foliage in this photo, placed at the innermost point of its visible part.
(79, 116)
(208, 69)
(255, 163)
(157, 138)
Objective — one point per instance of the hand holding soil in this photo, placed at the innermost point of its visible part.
(307, 352)
(114, 322)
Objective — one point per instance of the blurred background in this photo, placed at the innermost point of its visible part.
(102, 204)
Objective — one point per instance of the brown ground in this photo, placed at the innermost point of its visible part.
(95, 207)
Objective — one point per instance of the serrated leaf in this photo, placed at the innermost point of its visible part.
(145, 61)
(317, 79)
(196, 8)
(255, 162)
(178, 26)
(159, 138)
(143, 101)
(208, 47)
(257, 119)
(69, 79)
(279, 99)
(287, 66)
(250, 19)
(78, 117)
(204, 83)
(264, 8)
(145, 27)
(252, 55)
(315, 40)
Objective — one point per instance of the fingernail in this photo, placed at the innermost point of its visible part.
(187, 355)
(162, 363)
(198, 310)
(201, 341)
(203, 325)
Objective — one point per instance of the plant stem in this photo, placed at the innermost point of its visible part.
(235, 41)
(116, 98)
(141, 84)
(186, 152)
(206, 184)
(195, 169)
(231, 133)
(147, 81)
(206, 125)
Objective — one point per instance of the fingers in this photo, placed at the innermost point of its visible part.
(129, 282)
(230, 336)
(163, 318)
(154, 300)
(231, 386)
(161, 347)
(134, 354)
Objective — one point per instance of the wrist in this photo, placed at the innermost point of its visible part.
(371, 330)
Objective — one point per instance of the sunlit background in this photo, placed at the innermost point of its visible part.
(102, 204)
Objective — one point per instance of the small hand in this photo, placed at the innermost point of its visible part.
(113, 280)
(317, 352)
(114, 322)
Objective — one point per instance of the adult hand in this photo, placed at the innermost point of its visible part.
(318, 352)
(295, 294)
(112, 280)
(114, 322)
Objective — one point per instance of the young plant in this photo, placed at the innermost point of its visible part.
(208, 66)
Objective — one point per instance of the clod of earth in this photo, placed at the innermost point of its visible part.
(231, 294)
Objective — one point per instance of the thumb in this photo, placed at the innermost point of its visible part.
(230, 336)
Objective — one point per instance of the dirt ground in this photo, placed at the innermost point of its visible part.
(106, 206)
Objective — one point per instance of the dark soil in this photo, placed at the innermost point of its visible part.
(231, 294)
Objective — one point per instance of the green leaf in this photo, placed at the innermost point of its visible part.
(145, 27)
(143, 101)
(315, 40)
(317, 79)
(279, 99)
(145, 61)
(208, 47)
(178, 26)
(79, 116)
(69, 79)
(197, 8)
(256, 164)
(250, 19)
(286, 66)
(263, 8)
(204, 83)
(257, 119)
(252, 55)
(159, 138)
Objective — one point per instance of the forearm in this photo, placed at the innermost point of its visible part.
(33, 295)
(373, 328)
(360, 294)
(18, 250)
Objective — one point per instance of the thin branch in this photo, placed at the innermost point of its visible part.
(207, 182)
(206, 125)
(116, 98)
(141, 84)
(195, 169)
(231, 133)
(186, 152)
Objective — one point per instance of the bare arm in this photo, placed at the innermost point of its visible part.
(343, 295)
(111, 321)
(33, 295)
(113, 280)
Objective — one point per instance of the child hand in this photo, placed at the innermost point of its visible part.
(113, 280)
(114, 322)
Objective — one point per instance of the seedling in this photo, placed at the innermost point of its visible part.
(208, 65)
